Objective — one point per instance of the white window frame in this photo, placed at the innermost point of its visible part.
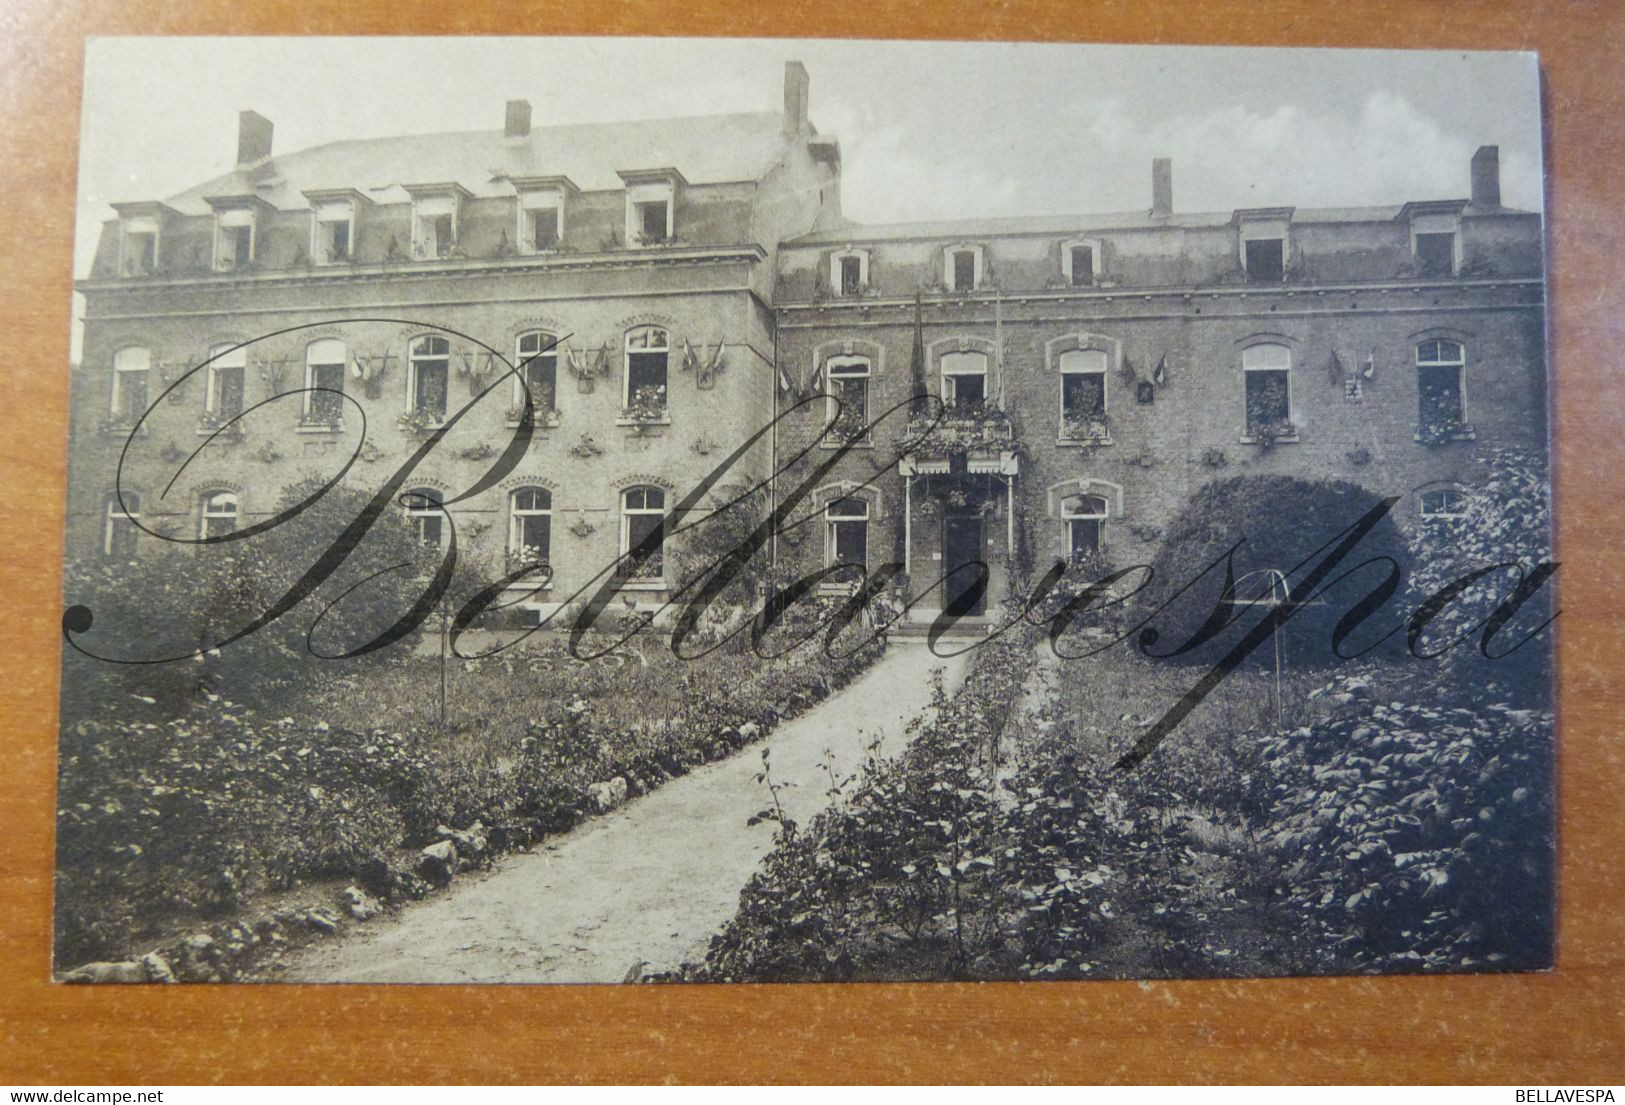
(217, 506)
(117, 401)
(417, 513)
(328, 213)
(649, 192)
(1093, 244)
(1435, 515)
(626, 361)
(429, 207)
(234, 218)
(224, 356)
(1062, 372)
(413, 359)
(948, 265)
(313, 362)
(517, 515)
(1459, 364)
(836, 286)
(656, 581)
(1263, 230)
(1071, 515)
(833, 521)
(1439, 224)
(853, 366)
(1253, 352)
(539, 199)
(949, 394)
(143, 226)
(115, 514)
(547, 415)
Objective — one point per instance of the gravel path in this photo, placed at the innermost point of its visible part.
(647, 884)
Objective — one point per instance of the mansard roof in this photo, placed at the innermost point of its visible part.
(711, 149)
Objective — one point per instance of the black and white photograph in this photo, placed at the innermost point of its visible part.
(681, 511)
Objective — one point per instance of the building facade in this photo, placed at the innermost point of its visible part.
(671, 287)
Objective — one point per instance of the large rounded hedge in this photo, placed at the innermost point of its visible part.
(1283, 520)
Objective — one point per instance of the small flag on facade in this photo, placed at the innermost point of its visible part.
(1335, 371)
(1370, 369)
(784, 381)
(1127, 371)
(1159, 375)
(690, 361)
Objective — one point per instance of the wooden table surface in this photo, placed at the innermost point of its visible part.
(1562, 1027)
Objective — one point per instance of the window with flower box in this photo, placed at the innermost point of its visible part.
(643, 511)
(121, 525)
(537, 359)
(325, 363)
(1083, 394)
(1267, 393)
(218, 514)
(428, 369)
(132, 367)
(847, 383)
(1441, 369)
(223, 397)
(436, 215)
(530, 526)
(643, 391)
(849, 272)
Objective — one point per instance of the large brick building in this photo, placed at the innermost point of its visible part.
(699, 278)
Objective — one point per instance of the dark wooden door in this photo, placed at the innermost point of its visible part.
(965, 583)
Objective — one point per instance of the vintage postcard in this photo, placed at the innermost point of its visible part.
(567, 510)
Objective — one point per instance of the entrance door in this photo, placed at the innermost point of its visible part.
(965, 585)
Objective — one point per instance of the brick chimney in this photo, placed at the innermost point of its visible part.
(795, 98)
(1487, 177)
(253, 138)
(516, 124)
(1162, 188)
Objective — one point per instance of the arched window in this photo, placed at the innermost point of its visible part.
(119, 526)
(530, 527)
(644, 385)
(1267, 376)
(426, 514)
(219, 514)
(846, 542)
(131, 368)
(1085, 518)
(642, 512)
(846, 381)
(324, 382)
(1443, 502)
(1083, 393)
(964, 379)
(428, 368)
(536, 358)
(1441, 370)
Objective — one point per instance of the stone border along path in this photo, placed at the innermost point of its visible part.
(646, 886)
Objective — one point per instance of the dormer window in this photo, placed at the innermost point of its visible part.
(1264, 244)
(333, 226)
(541, 220)
(233, 239)
(962, 268)
(436, 212)
(1080, 262)
(138, 246)
(1436, 245)
(849, 272)
(651, 201)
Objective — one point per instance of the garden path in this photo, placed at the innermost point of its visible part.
(649, 883)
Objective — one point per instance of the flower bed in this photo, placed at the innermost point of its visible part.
(173, 822)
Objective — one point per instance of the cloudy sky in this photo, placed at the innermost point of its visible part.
(928, 130)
